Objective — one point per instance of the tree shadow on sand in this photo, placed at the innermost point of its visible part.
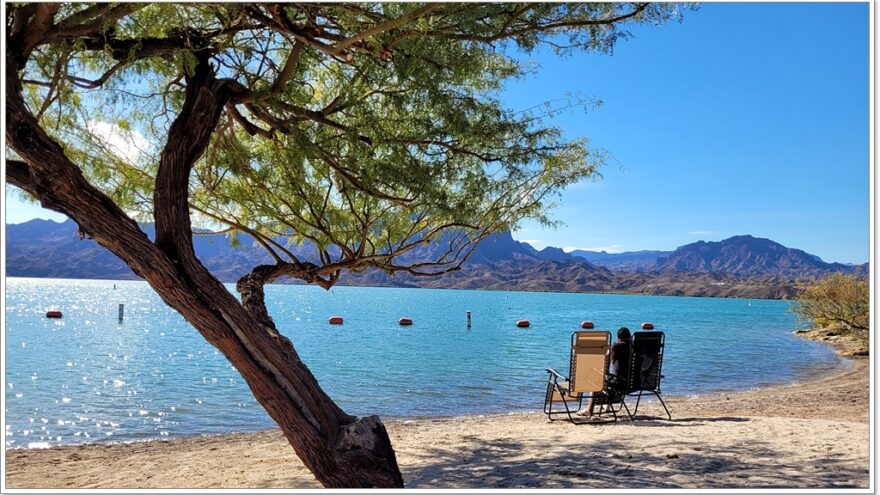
(620, 464)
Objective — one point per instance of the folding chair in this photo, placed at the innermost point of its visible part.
(645, 372)
(589, 360)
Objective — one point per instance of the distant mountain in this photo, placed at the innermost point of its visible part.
(43, 248)
(743, 255)
(501, 247)
(749, 256)
(519, 274)
(742, 266)
(554, 254)
(633, 261)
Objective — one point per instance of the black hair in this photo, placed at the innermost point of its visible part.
(623, 333)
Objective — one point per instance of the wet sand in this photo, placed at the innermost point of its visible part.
(805, 435)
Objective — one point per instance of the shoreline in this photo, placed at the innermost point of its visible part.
(848, 363)
(752, 438)
(610, 292)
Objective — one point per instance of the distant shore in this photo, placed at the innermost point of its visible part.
(735, 288)
(802, 435)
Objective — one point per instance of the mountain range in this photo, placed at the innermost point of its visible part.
(741, 266)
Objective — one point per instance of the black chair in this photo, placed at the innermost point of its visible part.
(645, 369)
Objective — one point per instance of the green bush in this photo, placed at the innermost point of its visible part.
(837, 300)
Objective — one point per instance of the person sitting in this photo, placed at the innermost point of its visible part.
(618, 370)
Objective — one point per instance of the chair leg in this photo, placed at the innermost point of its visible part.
(664, 405)
(548, 401)
(638, 399)
(623, 403)
(611, 406)
(565, 403)
(596, 398)
(549, 410)
(604, 396)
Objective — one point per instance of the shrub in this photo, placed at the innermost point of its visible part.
(836, 300)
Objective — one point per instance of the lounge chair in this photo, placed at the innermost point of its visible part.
(646, 366)
(586, 377)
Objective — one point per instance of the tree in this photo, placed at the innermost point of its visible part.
(836, 300)
(366, 131)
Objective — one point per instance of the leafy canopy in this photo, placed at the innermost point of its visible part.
(368, 129)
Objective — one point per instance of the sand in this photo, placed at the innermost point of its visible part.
(807, 435)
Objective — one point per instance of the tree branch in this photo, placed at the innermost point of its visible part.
(30, 28)
(341, 46)
(188, 138)
(539, 28)
(93, 20)
(19, 174)
(251, 285)
(249, 97)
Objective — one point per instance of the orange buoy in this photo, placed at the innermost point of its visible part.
(647, 326)
(53, 313)
(335, 320)
(587, 324)
(523, 323)
(405, 321)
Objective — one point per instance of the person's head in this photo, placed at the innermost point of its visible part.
(623, 334)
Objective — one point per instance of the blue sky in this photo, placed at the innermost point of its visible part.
(745, 118)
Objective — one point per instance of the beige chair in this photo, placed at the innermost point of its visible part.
(589, 361)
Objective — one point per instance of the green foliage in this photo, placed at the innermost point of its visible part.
(836, 300)
(386, 133)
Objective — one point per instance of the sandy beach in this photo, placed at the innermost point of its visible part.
(804, 435)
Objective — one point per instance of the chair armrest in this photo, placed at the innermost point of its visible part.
(555, 375)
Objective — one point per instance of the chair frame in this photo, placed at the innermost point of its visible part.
(556, 383)
(640, 382)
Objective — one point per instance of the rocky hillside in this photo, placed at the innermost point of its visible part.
(741, 266)
(750, 256)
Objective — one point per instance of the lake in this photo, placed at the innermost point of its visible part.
(89, 378)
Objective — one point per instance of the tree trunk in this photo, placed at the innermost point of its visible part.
(342, 451)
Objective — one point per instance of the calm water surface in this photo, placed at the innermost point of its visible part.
(88, 378)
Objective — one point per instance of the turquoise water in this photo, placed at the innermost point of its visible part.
(88, 378)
